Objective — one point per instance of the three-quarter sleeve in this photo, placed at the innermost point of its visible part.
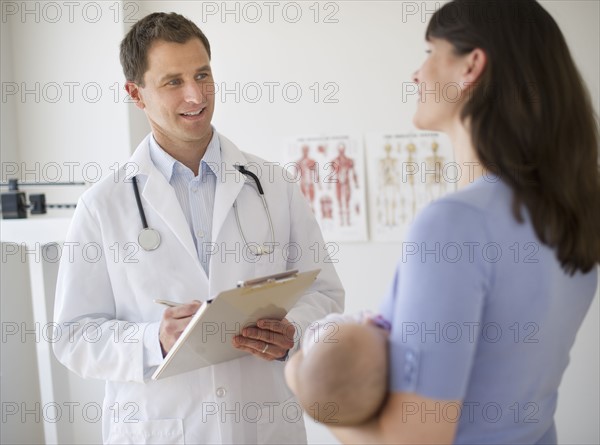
(436, 301)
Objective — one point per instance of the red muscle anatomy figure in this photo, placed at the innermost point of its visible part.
(343, 168)
(308, 170)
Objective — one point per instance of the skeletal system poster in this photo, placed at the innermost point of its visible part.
(406, 172)
(331, 174)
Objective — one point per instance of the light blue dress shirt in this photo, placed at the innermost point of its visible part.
(196, 194)
(482, 312)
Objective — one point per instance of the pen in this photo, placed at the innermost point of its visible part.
(268, 279)
(172, 303)
(167, 302)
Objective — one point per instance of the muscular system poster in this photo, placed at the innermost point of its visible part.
(331, 174)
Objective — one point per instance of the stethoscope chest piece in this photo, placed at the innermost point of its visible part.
(149, 239)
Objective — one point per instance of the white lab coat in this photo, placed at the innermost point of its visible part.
(109, 324)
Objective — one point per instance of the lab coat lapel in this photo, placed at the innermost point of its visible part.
(160, 196)
(229, 183)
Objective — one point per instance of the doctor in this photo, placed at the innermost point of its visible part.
(205, 229)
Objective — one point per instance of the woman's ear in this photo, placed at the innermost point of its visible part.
(476, 62)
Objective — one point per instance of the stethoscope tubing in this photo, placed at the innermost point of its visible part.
(149, 239)
(138, 200)
(260, 249)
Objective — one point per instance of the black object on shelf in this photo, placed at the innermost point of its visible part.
(38, 204)
(14, 203)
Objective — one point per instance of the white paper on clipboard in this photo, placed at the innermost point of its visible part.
(207, 338)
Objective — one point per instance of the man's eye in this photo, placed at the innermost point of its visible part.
(174, 82)
(201, 76)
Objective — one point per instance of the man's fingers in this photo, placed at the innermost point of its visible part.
(256, 347)
(267, 336)
(183, 311)
(279, 326)
(175, 320)
(259, 334)
(175, 325)
(256, 353)
(282, 327)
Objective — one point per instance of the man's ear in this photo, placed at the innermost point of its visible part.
(134, 92)
(476, 61)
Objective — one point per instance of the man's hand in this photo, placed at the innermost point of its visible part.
(173, 322)
(269, 340)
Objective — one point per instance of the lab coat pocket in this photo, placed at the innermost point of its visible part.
(149, 432)
(269, 264)
(281, 423)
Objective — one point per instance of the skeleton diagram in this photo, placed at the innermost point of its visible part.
(342, 167)
(411, 148)
(309, 175)
(435, 183)
(389, 186)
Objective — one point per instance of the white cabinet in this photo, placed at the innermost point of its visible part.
(42, 402)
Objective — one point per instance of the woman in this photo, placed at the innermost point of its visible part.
(485, 311)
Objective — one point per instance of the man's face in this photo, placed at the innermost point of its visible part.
(178, 93)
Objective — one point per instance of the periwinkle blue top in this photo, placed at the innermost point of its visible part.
(482, 312)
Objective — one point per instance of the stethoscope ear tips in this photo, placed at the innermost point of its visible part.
(264, 250)
(261, 250)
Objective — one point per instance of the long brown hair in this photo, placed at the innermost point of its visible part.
(531, 120)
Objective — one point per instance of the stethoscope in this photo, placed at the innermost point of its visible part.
(149, 239)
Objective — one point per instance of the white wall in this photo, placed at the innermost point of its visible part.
(69, 121)
(366, 56)
(8, 137)
(63, 123)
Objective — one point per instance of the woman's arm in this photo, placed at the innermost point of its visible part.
(406, 418)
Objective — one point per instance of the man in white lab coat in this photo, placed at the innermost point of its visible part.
(188, 186)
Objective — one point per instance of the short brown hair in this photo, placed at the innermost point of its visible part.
(171, 27)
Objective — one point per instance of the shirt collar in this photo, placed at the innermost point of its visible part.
(212, 156)
(165, 163)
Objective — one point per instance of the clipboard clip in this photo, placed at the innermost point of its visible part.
(268, 279)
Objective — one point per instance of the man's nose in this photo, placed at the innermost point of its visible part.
(193, 93)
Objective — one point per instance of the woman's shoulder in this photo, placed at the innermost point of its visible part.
(467, 212)
(486, 193)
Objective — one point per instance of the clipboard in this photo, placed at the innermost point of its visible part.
(206, 340)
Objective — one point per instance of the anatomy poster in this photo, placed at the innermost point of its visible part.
(406, 172)
(331, 174)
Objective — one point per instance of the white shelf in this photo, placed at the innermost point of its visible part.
(35, 231)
